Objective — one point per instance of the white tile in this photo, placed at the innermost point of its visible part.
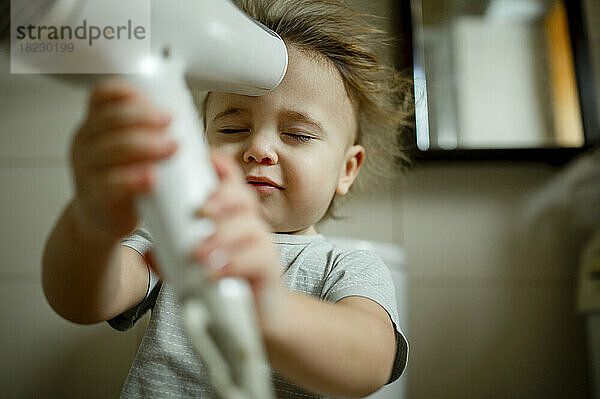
(47, 356)
(31, 200)
(495, 343)
(468, 223)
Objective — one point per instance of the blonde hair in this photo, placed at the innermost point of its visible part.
(382, 97)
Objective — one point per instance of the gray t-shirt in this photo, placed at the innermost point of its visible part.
(166, 364)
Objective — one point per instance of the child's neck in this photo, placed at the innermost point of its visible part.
(307, 231)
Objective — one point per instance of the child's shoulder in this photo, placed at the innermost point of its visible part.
(353, 250)
(336, 249)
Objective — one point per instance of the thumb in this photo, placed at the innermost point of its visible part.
(225, 166)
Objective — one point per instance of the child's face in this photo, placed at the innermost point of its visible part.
(299, 136)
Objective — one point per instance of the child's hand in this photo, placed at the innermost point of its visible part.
(112, 155)
(241, 245)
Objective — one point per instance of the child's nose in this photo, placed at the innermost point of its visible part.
(260, 150)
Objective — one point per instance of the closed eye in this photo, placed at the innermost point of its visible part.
(299, 137)
(232, 131)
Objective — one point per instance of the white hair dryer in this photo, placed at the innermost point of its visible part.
(213, 46)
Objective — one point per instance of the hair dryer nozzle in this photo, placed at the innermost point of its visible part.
(222, 48)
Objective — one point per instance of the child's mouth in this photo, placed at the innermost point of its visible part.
(264, 188)
(263, 185)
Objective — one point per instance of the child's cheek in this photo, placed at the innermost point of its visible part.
(314, 184)
(230, 149)
(210, 137)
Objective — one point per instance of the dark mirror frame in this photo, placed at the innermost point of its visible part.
(406, 14)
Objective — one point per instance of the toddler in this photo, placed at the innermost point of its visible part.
(331, 326)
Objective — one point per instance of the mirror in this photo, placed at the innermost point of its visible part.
(502, 74)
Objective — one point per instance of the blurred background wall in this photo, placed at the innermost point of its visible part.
(491, 301)
(42, 354)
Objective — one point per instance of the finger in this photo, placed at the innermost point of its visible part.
(256, 272)
(124, 147)
(225, 166)
(127, 115)
(119, 184)
(231, 235)
(230, 198)
(111, 90)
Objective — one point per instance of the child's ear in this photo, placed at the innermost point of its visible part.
(353, 160)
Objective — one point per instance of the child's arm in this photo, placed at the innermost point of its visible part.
(87, 276)
(345, 349)
(86, 280)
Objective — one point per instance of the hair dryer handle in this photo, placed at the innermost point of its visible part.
(183, 181)
(235, 356)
